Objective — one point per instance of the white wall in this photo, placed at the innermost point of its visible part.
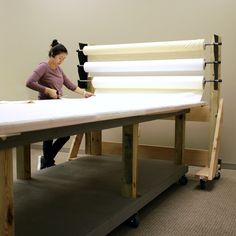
(28, 26)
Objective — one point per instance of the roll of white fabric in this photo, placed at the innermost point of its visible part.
(149, 82)
(149, 47)
(116, 67)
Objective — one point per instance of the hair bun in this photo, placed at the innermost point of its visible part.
(54, 42)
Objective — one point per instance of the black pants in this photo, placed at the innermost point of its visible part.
(51, 148)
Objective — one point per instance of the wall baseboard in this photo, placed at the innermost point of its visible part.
(229, 166)
(64, 149)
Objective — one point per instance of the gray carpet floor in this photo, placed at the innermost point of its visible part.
(184, 210)
(188, 210)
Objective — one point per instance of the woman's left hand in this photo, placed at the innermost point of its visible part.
(88, 94)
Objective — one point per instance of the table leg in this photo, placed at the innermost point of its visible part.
(6, 193)
(129, 158)
(180, 137)
(93, 143)
(23, 162)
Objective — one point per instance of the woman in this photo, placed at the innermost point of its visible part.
(48, 79)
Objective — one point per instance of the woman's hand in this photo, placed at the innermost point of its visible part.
(52, 93)
(88, 94)
(83, 92)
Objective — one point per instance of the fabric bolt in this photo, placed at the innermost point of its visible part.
(148, 47)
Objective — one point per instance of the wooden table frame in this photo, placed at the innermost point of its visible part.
(130, 141)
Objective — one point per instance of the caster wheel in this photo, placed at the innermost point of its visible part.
(217, 175)
(133, 221)
(202, 184)
(183, 180)
(219, 164)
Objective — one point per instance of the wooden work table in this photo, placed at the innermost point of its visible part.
(128, 121)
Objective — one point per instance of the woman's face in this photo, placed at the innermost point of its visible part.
(58, 59)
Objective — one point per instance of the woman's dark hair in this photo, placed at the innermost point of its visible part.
(56, 48)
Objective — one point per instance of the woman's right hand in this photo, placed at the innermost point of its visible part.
(52, 93)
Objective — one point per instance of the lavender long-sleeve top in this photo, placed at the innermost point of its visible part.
(43, 76)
